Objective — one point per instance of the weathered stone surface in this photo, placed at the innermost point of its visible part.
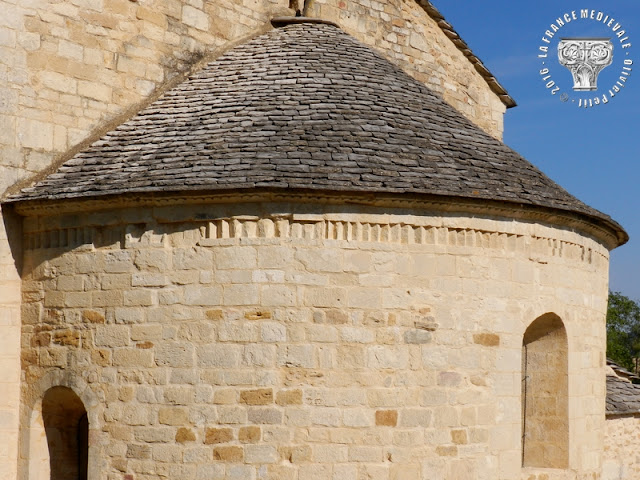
(249, 434)
(263, 396)
(270, 416)
(417, 336)
(178, 416)
(486, 339)
(184, 435)
(218, 435)
(178, 328)
(90, 316)
(228, 454)
(289, 397)
(312, 385)
(619, 459)
(387, 418)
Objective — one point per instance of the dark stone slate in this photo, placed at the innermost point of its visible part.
(307, 95)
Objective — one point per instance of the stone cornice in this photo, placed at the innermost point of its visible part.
(610, 235)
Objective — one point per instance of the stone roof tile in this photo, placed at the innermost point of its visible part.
(288, 109)
(623, 397)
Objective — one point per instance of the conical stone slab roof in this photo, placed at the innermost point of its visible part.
(305, 106)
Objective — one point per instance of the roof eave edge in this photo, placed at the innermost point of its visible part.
(605, 231)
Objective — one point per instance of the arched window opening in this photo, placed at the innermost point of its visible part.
(545, 394)
(67, 429)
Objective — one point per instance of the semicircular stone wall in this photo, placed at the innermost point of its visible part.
(300, 341)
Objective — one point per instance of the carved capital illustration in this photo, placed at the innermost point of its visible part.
(585, 58)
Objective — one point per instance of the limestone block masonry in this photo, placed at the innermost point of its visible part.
(295, 340)
(620, 449)
(70, 70)
(9, 346)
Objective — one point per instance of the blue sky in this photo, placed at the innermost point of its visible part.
(593, 153)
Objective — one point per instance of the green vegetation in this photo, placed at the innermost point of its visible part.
(623, 330)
